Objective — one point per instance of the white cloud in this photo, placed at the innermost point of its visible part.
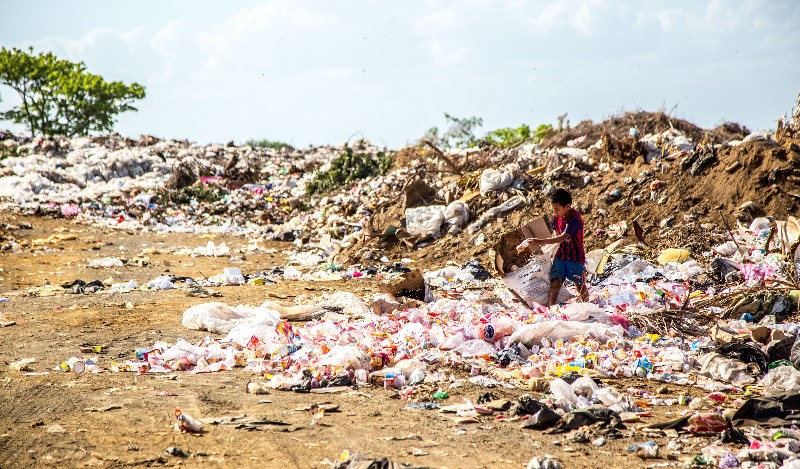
(580, 15)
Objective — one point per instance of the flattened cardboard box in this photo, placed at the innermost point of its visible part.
(530, 280)
(506, 247)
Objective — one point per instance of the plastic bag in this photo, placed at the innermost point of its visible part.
(105, 263)
(219, 318)
(262, 328)
(210, 316)
(564, 330)
(781, 379)
(495, 180)
(562, 392)
(348, 357)
(585, 312)
(673, 255)
(425, 220)
(163, 282)
(349, 303)
(452, 341)
(726, 369)
(584, 386)
(456, 214)
(509, 204)
(475, 348)
(709, 422)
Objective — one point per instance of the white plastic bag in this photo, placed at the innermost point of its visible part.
(348, 357)
(585, 386)
(456, 214)
(562, 392)
(105, 263)
(494, 211)
(261, 327)
(349, 303)
(475, 348)
(532, 281)
(219, 318)
(495, 180)
(781, 379)
(726, 369)
(425, 220)
(564, 330)
(585, 312)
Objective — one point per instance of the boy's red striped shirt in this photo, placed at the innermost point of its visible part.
(570, 249)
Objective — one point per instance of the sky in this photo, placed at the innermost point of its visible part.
(327, 72)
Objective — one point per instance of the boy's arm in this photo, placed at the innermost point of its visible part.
(539, 241)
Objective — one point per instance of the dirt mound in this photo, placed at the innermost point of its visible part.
(726, 132)
(619, 126)
(676, 201)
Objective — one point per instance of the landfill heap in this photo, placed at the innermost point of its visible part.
(692, 256)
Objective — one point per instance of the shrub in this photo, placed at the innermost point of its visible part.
(346, 168)
(271, 144)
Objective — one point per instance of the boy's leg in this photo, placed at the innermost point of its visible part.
(558, 273)
(582, 287)
(552, 295)
(583, 292)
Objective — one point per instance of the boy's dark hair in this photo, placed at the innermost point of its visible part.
(561, 197)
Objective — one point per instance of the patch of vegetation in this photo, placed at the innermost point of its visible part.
(8, 152)
(346, 168)
(461, 134)
(270, 144)
(197, 192)
(509, 137)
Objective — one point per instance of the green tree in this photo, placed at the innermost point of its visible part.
(60, 97)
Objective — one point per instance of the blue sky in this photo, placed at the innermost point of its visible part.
(318, 72)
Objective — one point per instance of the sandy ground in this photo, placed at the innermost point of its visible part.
(66, 419)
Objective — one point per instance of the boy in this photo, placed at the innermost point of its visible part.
(571, 256)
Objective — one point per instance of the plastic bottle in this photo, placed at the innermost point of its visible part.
(399, 381)
(388, 380)
(187, 423)
(362, 376)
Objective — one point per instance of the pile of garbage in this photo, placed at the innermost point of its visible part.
(687, 288)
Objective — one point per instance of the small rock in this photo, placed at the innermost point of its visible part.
(544, 462)
(56, 428)
(23, 364)
(580, 437)
(175, 451)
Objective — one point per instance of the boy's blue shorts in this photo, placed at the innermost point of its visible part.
(569, 270)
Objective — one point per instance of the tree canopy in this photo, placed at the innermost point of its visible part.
(60, 97)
